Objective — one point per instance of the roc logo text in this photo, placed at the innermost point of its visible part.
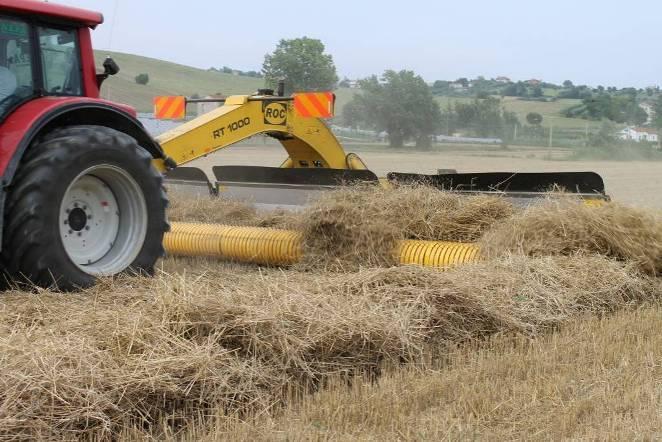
(275, 113)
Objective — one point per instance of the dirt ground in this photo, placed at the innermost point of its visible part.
(632, 182)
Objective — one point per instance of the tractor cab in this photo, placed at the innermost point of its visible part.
(37, 60)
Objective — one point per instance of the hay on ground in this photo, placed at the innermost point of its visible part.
(361, 226)
(143, 353)
(220, 210)
(561, 227)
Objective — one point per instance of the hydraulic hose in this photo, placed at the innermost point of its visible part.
(269, 246)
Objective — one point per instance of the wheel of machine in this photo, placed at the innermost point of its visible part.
(85, 202)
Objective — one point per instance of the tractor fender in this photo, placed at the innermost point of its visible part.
(42, 115)
(37, 117)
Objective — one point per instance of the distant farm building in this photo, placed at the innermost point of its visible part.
(503, 80)
(534, 82)
(639, 134)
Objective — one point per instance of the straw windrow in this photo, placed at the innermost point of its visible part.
(149, 356)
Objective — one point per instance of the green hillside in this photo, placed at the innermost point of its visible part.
(551, 111)
(167, 78)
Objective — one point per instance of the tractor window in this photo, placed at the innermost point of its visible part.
(60, 61)
(16, 82)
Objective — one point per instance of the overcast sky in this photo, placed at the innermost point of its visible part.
(597, 42)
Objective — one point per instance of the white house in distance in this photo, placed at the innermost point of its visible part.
(639, 134)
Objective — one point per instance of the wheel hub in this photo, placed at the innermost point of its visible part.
(78, 218)
(103, 218)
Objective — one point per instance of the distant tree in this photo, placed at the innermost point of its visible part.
(252, 74)
(353, 114)
(344, 82)
(568, 84)
(226, 70)
(571, 92)
(657, 118)
(302, 63)
(519, 89)
(619, 108)
(537, 92)
(604, 137)
(657, 109)
(483, 118)
(401, 104)
(534, 118)
(463, 81)
(142, 79)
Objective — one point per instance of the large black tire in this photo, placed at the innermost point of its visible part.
(34, 245)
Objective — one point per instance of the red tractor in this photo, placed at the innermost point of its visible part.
(80, 197)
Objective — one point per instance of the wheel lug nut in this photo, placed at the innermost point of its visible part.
(80, 234)
(68, 211)
(76, 205)
(70, 232)
(89, 216)
(66, 221)
(87, 227)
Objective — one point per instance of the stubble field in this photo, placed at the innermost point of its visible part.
(554, 334)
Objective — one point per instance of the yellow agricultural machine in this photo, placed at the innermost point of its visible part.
(82, 192)
(315, 161)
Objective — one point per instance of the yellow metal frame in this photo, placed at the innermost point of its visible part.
(307, 141)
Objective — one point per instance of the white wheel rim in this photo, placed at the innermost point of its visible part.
(103, 220)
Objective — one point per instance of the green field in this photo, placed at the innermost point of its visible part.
(551, 111)
(167, 78)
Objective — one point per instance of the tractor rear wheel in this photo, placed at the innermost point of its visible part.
(85, 202)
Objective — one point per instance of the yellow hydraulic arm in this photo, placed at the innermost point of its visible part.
(307, 140)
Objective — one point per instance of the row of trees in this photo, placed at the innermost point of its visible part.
(398, 103)
(229, 70)
(619, 108)
(402, 104)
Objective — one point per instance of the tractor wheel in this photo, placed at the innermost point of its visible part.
(85, 202)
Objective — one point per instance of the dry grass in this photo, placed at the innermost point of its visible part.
(564, 228)
(361, 226)
(188, 208)
(598, 379)
(146, 355)
(204, 342)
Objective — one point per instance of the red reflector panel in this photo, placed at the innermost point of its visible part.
(315, 104)
(170, 108)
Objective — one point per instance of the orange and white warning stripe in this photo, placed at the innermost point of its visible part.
(170, 108)
(315, 104)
